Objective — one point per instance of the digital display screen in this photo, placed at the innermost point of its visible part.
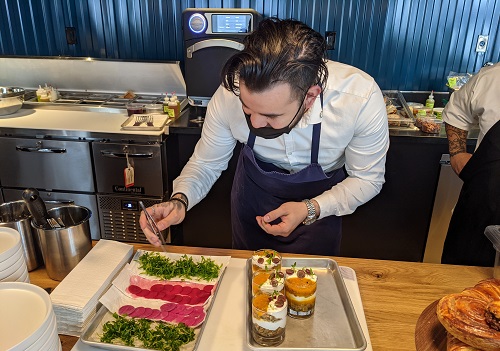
(130, 205)
(231, 23)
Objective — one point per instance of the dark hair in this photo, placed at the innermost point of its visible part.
(279, 51)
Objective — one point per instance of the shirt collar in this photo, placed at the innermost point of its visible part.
(312, 115)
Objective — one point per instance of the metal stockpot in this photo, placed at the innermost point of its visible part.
(63, 248)
(15, 215)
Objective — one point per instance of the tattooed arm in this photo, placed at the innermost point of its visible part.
(457, 144)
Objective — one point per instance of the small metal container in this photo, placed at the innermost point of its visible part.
(11, 100)
(63, 248)
(15, 215)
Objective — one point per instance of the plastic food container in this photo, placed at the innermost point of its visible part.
(431, 125)
(438, 112)
(154, 109)
(135, 108)
(422, 111)
(492, 232)
(414, 105)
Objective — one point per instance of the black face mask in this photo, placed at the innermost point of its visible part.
(272, 133)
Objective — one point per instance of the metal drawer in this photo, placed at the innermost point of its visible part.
(110, 161)
(46, 164)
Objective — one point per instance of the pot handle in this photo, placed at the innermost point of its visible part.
(37, 208)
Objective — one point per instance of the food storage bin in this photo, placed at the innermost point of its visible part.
(492, 232)
(431, 125)
(135, 109)
(154, 109)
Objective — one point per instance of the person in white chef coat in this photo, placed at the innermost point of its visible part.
(314, 135)
(476, 103)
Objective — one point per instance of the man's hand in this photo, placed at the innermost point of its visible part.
(458, 161)
(164, 214)
(291, 214)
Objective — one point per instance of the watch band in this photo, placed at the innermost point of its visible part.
(311, 212)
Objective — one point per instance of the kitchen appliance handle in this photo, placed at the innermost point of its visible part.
(209, 43)
(42, 150)
(59, 202)
(124, 154)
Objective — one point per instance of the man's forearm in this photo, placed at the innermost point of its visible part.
(457, 139)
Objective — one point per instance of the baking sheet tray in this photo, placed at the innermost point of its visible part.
(159, 122)
(334, 325)
(91, 335)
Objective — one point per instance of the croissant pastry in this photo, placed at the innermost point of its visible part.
(471, 316)
(453, 344)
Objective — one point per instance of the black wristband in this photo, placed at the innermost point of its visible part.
(183, 200)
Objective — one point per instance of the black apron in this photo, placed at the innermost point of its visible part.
(260, 187)
(478, 206)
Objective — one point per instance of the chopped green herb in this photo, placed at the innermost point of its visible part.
(152, 335)
(162, 267)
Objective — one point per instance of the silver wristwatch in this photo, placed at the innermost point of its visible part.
(311, 213)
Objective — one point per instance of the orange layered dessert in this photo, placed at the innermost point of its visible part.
(266, 259)
(300, 290)
(269, 318)
(268, 281)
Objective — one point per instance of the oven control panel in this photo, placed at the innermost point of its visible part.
(200, 22)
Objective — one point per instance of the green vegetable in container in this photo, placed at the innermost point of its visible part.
(149, 334)
(162, 267)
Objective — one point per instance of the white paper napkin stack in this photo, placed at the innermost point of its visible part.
(75, 299)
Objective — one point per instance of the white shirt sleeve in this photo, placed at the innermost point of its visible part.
(365, 157)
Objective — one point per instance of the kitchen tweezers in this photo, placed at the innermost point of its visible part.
(153, 226)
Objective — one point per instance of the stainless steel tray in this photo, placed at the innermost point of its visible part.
(90, 335)
(160, 122)
(334, 325)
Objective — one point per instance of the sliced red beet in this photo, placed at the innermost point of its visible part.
(176, 289)
(186, 290)
(186, 300)
(134, 289)
(177, 298)
(167, 287)
(197, 310)
(161, 295)
(147, 312)
(169, 317)
(203, 294)
(188, 310)
(157, 287)
(137, 313)
(152, 295)
(156, 314)
(190, 321)
(208, 288)
(178, 318)
(179, 308)
(167, 307)
(143, 293)
(126, 309)
(195, 300)
(195, 292)
(169, 297)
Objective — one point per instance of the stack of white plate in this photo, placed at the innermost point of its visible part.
(12, 261)
(28, 321)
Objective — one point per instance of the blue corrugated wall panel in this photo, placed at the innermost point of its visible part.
(403, 44)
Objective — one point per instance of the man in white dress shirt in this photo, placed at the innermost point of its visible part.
(315, 137)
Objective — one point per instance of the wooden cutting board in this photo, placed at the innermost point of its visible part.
(430, 335)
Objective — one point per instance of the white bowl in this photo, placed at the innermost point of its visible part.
(7, 272)
(26, 312)
(14, 277)
(47, 339)
(24, 278)
(12, 259)
(10, 241)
